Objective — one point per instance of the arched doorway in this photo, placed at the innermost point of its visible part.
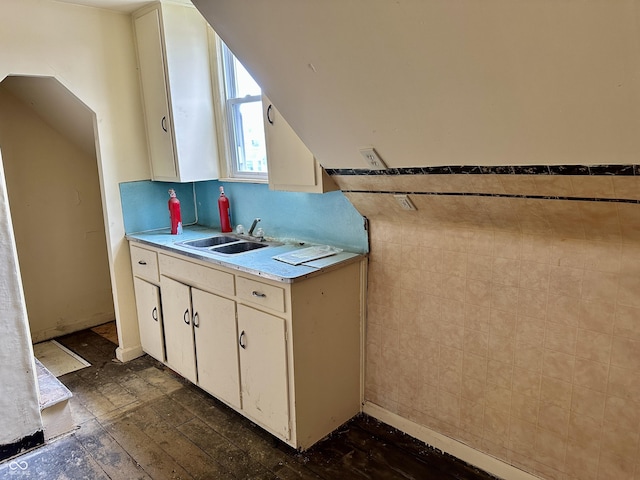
(49, 152)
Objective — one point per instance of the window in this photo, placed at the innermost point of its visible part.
(244, 124)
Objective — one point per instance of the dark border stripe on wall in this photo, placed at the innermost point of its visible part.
(620, 170)
(501, 195)
(27, 443)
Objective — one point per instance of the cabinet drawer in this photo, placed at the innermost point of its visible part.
(197, 275)
(260, 293)
(144, 263)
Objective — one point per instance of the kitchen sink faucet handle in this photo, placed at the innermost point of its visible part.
(253, 225)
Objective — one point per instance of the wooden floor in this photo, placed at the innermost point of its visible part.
(140, 420)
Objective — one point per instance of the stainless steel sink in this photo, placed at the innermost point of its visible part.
(224, 244)
(238, 247)
(210, 241)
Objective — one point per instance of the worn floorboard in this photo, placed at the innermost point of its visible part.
(140, 420)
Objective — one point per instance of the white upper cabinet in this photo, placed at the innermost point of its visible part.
(175, 78)
(292, 167)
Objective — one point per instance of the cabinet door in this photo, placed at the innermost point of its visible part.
(175, 76)
(149, 318)
(292, 166)
(178, 331)
(186, 47)
(154, 95)
(263, 369)
(214, 321)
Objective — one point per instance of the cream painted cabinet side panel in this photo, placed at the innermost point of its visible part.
(149, 318)
(263, 369)
(154, 94)
(178, 330)
(216, 335)
(292, 166)
(326, 345)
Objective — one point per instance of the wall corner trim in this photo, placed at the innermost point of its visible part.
(127, 354)
(21, 446)
(448, 445)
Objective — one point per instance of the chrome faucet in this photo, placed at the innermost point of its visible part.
(253, 225)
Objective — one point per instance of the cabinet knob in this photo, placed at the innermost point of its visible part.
(185, 317)
(196, 320)
(141, 262)
(255, 293)
(163, 123)
(240, 340)
(154, 313)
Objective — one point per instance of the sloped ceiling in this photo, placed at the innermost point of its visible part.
(441, 82)
(57, 106)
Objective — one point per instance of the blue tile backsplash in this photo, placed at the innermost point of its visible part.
(327, 218)
(144, 204)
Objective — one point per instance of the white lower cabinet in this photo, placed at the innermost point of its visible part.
(263, 369)
(178, 329)
(149, 318)
(285, 355)
(200, 330)
(216, 334)
(146, 279)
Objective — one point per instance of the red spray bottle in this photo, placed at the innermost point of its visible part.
(174, 213)
(225, 214)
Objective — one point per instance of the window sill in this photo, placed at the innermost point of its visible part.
(244, 180)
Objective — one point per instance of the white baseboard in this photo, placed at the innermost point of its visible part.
(448, 445)
(128, 354)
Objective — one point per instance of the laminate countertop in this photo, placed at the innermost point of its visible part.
(256, 262)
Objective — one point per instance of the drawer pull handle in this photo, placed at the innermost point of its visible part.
(141, 262)
(185, 317)
(154, 313)
(196, 320)
(258, 294)
(240, 340)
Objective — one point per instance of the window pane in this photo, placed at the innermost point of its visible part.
(251, 153)
(245, 84)
(245, 127)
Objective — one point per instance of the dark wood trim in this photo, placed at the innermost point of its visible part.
(26, 443)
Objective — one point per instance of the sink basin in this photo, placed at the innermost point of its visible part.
(210, 241)
(238, 247)
(224, 244)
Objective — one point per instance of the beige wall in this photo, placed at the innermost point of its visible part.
(509, 324)
(42, 38)
(54, 194)
(90, 51)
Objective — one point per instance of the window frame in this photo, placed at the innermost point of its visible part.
(227, 127)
